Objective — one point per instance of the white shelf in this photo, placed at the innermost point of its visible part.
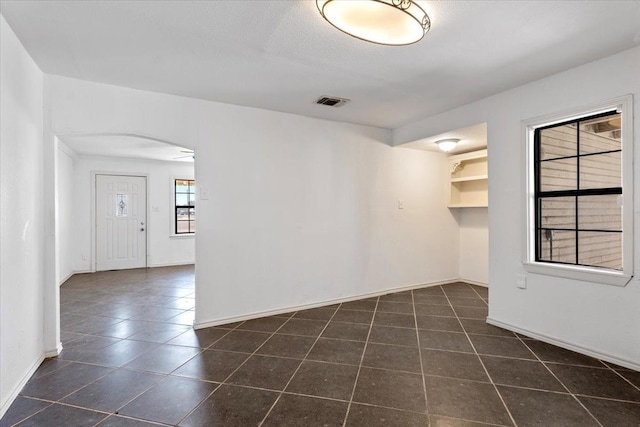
(462, 205)
(470, 178)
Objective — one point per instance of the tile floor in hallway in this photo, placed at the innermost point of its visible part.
(415, 358)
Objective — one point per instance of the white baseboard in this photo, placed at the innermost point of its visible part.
(171, 264)
(67, 277)
(258, 314)
(14, 393)
(54, 353)
(473, 282)
(566, 345)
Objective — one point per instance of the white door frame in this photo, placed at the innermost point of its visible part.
(94, 240)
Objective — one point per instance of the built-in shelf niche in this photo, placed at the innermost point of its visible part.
(468, 182)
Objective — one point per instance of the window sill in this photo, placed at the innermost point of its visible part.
(182, 236)
(585, 274)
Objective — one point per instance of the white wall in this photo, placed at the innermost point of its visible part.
(474, 245)
(162, 248)
(65, 212)
(21, 219)
(595, 318)
(298, 210)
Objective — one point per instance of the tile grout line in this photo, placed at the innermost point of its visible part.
(622, 376)
(561, 383)
(299, 365)
(482, 363)
(364, 351)
(235, 370)
(424, 381)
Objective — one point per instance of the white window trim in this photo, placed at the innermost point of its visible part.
(172, 225)
(624, 104)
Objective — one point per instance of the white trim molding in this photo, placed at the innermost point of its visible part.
(635, 365)
(16, 391)
(623, 104)
(255, 315)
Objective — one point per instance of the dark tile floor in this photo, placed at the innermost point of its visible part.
(416, 358)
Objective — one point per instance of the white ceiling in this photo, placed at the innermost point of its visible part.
(471, 138)
(129, 146)
(281, 55)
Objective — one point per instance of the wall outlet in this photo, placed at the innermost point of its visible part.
(521, 281)
(83, 257)
(400, 204)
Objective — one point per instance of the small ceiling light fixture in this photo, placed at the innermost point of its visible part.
(448, 144)
(388, 22)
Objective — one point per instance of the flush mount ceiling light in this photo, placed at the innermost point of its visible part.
(388, 22)
(448, 144)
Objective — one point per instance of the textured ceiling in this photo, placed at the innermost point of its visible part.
(281, 55)
(128, 146)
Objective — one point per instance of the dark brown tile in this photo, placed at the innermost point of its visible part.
(632, 376)
(163, 359)
(399, 390)
(123, 329)
(404, 296)
(161, 403)
(439, 323)
(386, 356)
(116, 421)
(201, 338)
(438, 421)
(306, 327)
(287, 346)
(551, 353)
(63, 416)
(539, 408)
(395, 307)
(396, 336)
(372, 416)
(242, 341)
(120, 353)
(324, 380)
(437, 299)
(395, 319)
(265, 372)
(88, 342)
(264, 324)
(232, 406)
(50, 365)
(20, 409)
(212, 365)
(439, 340)
(472, 312)
(612, 413)
(346, 331)
(595, 382)
(337, 351)
(359, 305)
(521, 373)
(429, 290)
(434, 310)
(315, 314)
(501, 346)
(292, 411)
(63, 381)
(453, 364)
(467, 302)
(112, 391)
(159, 332)
(467, 400)
(353, 316)
(481, 327)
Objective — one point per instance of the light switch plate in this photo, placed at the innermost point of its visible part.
(521, 281)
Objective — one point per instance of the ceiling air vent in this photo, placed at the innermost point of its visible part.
(332, 101)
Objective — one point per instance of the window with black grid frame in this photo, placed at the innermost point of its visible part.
(578, 188)
(185, 206)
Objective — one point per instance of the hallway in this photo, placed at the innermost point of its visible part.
(414, 358)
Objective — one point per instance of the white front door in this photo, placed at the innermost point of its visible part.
(121, 222)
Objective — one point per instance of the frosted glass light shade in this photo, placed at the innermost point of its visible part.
(447, 145)
(388, 22)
